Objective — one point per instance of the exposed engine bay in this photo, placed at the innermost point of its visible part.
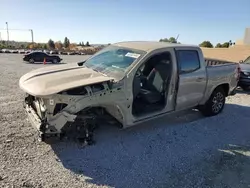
(75, 113)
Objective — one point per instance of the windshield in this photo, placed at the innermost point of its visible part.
(113, 61)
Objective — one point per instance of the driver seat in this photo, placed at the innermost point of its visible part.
(153, 90)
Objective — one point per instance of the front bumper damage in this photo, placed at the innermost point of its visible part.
(83, 127)
(36, 122)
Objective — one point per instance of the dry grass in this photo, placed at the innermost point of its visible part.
(90, 50)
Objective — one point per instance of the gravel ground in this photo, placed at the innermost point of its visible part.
(177, 151)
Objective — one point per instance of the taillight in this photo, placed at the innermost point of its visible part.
(238, 71)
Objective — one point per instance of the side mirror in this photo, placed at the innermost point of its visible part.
(80, 63)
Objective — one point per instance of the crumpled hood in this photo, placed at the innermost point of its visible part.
(53, 79)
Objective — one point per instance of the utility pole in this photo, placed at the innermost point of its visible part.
(177, 37)
(7, 28)
(32, 36)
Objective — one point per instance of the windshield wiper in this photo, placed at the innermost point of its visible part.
(98, 71)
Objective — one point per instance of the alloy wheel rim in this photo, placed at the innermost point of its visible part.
(218, 101)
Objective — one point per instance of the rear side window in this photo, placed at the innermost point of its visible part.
(188, 60)
(40, 54)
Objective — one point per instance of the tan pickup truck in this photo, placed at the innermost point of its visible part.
(129, 82)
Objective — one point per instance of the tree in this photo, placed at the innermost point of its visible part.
(225, 45)
(66, 42)
(51, 44)
(72, 46)
(45, 46)
(81, 44)
(87, 43)
(164, 40)
(39, 45)
(219, 45)
(30, 46)
(171, 40)
(206, 44)
(59, 45)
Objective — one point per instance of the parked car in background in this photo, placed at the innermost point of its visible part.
(244, 81)
(129, 82)
(72, 53)
(54, 52)
(46, 51)
(6, 51)
(14, 51)
(40, 57)
(63, 53)
(21, 51)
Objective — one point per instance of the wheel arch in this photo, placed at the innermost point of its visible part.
(207, 108)
(225, 88)
(113, 110)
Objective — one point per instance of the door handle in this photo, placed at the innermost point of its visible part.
(199, 79)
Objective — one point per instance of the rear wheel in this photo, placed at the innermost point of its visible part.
(55, 61)
(215, 103)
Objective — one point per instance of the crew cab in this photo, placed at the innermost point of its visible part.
(126, 82)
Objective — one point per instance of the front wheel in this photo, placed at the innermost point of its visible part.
(31, 60)
(215, 103)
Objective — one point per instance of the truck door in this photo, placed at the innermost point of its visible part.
(192, 78)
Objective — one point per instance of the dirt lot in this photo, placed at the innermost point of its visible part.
(180, 151)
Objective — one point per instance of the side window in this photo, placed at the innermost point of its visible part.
(163, 57)
(188, 60)
(41, 55)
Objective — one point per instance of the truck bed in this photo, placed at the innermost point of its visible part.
(222, 72)
(212, 62)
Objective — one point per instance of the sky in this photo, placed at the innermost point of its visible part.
(110, 21)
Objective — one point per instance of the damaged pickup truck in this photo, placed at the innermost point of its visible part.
(129, 82)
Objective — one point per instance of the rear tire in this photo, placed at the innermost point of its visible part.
(215, 103)
(55, 61)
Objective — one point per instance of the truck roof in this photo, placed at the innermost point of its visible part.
(149, 45)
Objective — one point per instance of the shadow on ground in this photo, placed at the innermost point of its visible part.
(228, 167)
(48, 63)
(241, 91)
(158, 153)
